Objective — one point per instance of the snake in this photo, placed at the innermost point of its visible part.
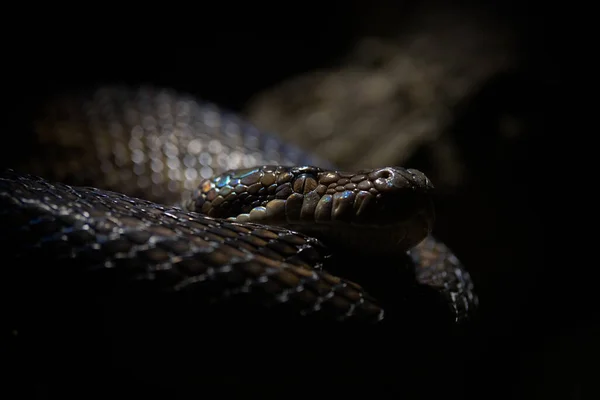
(150, 190)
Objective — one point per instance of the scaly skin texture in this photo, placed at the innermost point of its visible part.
(160, 145)
(385, 210)
(167, 249)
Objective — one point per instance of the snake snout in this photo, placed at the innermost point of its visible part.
(391, 178)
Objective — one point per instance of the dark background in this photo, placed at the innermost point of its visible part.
(535, 336)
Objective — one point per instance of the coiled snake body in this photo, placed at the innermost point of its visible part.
(236, 236)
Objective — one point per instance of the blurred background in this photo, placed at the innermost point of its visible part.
(462, 91)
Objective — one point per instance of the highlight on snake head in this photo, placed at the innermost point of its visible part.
(383, 210)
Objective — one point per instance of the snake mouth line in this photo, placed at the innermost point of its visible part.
(370, 238)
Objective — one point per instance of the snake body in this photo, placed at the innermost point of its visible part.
(183, 209)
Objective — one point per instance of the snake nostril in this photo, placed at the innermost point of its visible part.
(385, 174)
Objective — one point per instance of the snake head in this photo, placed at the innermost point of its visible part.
(380, 210)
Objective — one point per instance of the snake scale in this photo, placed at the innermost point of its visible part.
(153, 192)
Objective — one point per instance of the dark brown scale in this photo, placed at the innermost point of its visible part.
(155, 210)
(197, 224)
(155, 255)
(253, 268)
(138, 237)
(268, 179)
(206, 208)
(293, 206)
(231, 196)
(242, 197)
(213, 237)
(251, 178)
(184, 230)
(117, 246)
(218, 201)
(283, 178)
(253, 189)
(192, 266)
(160, 231)
(274, 263)
(216, 258)
(329, 178)
(311, 199)
(282, 248)
(364, 185)
(332, 280)
(270, 253)
(242, 189)
(283, 191)
(243, 244)
(226, 192)
(343, 206)
(254, 240)
(105, 226)
(223, 232)
(301, 262)
(298, 186)
(238, 228)
(349, 293)
(293, 239)
(310, 184)
(175, 246)
(288, 279)
(358, 178)
(199, 242)
(321, 189)
(99, 210)
(130, 222)
(211, 195)
(319, 287)
(233, 251)
(304, 273)
(265, 234)
(345, 175)
(120, 208)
